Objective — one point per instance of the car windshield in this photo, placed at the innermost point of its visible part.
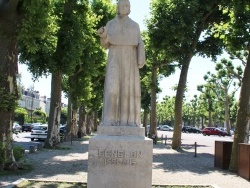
(40, 128)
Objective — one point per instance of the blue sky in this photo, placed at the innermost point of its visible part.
(139, 12)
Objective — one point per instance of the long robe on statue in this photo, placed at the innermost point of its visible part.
(122, 93)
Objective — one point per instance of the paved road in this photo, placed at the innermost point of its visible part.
(23, 139)
(188, 140)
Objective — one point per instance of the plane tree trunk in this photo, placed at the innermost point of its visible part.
(9, 20)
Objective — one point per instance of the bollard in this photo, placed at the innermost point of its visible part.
(195, 150)
(39, 146)
(154, 138)
(32, 149)
(166, 139)
(162, 138)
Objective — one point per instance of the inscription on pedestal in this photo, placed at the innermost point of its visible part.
(119, 157)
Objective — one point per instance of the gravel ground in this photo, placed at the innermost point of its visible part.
(169, 166)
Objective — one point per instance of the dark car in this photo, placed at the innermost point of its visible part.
(184, 129)
(193, 130)
(213, 131)
(62, 129)
(27, 127)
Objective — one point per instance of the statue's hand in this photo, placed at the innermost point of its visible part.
(102, 32)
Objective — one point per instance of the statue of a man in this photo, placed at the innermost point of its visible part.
(122, 90)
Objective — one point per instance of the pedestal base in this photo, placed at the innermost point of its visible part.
(120, 162)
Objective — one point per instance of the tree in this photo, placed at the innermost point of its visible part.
(165, 111)
(55, 49)
(64, 115)
(236, 36)
(157, 67)
(39, 116)
(21, 115)
(10, 18)
(208, 98)
(177, 27)
(223, 82)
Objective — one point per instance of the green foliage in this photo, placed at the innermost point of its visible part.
(39, 116)
(165, 111)
(37, 35)
(175, 25)
(8, 101)
(234, 31)
(64, 112)
(89, 73)
(226, 79)
(20, 115)
(104, 10)
(18, 152)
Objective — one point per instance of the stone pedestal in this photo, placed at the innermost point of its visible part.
(120, 157)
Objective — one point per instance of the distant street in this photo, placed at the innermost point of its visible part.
(23, 139)
(205, 144)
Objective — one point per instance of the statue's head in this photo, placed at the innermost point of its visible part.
(123, 7)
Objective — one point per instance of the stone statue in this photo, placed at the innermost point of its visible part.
(122, 90)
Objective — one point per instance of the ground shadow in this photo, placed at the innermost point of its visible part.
(48, 163)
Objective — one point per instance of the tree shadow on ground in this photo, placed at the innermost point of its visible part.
(48, 163)
(181, 161)
(185, 160)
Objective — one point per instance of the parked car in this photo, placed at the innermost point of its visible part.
(39, 132)
(158, 127)
(213, 131)
(225, 130)
(193, 130)
(35, 124)
(17, 128)
(62, 129)
(166, 128)
(27, 127)
(184, 129)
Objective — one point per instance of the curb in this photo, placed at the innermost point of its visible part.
(41, 180)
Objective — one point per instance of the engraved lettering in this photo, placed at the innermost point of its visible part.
(101, 153)
(120, 154)
(119, 157)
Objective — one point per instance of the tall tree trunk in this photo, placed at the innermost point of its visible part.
(153, 131)
(92, 120)
(9, 20)
(176, 143)
(88, 125)
(53, 137)
(210, 108)
(69, 119)
(242, 117)
(82, 120)
(247, 130)
(95, 116)
(202, 121)
(74, 128)
(145, 121)
(227, 114)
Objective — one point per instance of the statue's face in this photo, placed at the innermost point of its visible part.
(124, 7)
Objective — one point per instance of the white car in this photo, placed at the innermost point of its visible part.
(39, 132)
(224, 129)
(166, 128)
(17, 128)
